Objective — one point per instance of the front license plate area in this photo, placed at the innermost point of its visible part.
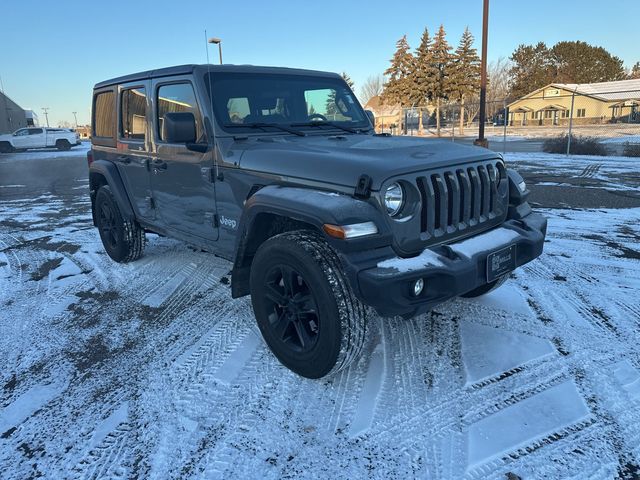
(501, 262)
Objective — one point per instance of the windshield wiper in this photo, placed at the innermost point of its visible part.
(264, 125)
(328, 123)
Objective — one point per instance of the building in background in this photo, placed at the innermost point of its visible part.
(32, 118)
(592, 103)
(84, 131)
(388, 117)
(12, 116)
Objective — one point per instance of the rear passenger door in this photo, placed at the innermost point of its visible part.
(181, 179)
(37, 138)
(133, 157)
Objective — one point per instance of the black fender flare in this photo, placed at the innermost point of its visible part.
(109, 171)
(305, 206)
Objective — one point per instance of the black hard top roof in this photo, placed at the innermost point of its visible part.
(186, 69)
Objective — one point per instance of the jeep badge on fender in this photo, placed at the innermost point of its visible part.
(320, 216)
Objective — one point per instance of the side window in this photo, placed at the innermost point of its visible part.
(133, 114)
(35, 131)
(104, 115)
(21, 133)
(177, 97)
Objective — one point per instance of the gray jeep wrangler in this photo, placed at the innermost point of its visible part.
(280, 172)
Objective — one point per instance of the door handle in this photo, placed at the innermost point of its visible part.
(159, 164)
(124, 159)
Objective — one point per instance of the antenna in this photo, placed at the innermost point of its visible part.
(211, 142)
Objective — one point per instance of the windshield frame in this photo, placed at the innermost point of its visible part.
(314, 80)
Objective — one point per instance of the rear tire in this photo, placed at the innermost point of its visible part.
(304, 306)
(63, 145)
(123, 239)
(484, 289)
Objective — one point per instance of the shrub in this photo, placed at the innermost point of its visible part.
(631, 150)
(579, 145)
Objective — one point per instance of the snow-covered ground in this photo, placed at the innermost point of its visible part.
(583, 171)
(151, 370)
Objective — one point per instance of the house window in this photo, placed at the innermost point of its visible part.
(581, 113)
(548, 114)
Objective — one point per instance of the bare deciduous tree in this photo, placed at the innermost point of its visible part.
(371, 88)
(498, 88)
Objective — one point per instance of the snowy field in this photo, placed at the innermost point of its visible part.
(151, 370)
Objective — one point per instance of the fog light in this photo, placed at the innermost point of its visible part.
(418, 286)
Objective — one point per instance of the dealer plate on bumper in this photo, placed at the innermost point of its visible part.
(501, 262)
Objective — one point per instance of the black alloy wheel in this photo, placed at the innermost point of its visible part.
(294, 318)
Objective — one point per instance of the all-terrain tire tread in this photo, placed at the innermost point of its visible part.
(352, 312)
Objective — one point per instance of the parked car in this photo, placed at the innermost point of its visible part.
(320, 218)
(39, 137)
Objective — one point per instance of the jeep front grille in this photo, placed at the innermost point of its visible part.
(457, 199)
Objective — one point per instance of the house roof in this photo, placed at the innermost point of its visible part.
(381, 109)
(608, 91)
(619, 90)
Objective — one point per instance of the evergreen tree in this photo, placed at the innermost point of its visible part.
(423, 75)
(634, 73)
(397, 90)
(440, 87)
(531, 69)
(464, 76)
(347, 79)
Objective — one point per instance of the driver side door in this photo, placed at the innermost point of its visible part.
(21, 138)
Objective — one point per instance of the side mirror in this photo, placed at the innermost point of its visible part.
(372, 117)
(179, 127)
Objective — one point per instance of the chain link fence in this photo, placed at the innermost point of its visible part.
(574, 119)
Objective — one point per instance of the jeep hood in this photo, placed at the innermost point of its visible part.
(341, 159)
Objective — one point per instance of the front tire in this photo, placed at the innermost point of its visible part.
(304, 306)
(123, 239)
(6, 147)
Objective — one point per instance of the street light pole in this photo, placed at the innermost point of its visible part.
(218, 42)
(46, 115)
(76, 118)
(481, 141)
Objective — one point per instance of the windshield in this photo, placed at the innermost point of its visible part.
(243, 101)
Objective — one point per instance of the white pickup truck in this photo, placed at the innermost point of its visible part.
(37, 137)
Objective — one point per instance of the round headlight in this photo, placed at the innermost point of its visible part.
(393, 198)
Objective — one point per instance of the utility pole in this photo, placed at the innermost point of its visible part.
(481, 141)
(217, 41)
(46, 115)
(75, 115)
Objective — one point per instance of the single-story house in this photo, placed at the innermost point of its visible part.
(591, 103)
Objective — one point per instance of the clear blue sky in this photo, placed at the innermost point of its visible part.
(52, 52)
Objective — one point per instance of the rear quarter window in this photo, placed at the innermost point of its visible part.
(104, 118)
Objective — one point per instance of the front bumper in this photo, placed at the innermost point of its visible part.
(447, 270)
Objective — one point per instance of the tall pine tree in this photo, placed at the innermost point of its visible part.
(423, 75)
(397, 90)
(440, 86)
(464, 75)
